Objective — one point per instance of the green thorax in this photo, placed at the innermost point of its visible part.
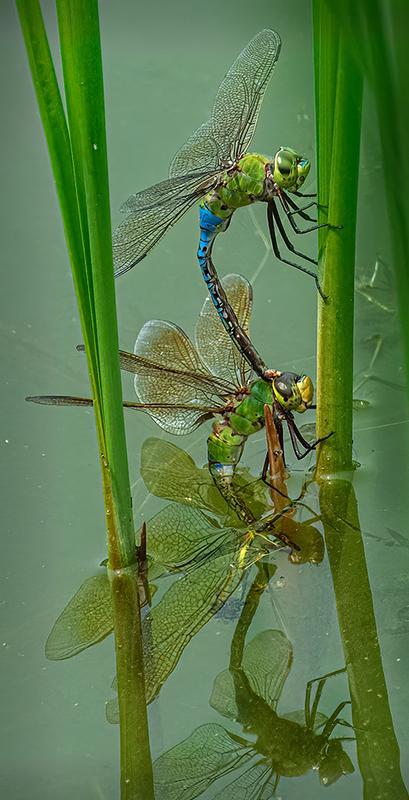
(225, 443)
(240, 189)
(248, 416)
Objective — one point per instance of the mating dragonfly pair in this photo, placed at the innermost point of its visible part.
(180, 385)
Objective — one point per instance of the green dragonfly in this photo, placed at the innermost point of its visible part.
(181, 386)
(282, 745)
(214, 167)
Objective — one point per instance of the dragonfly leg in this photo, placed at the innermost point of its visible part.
(288, 243)
(273, 237)
(267, 482)
(267, 526)
(296, 437)
(286, 205)
(333, 720)
(311, 710)
(301, 210)
(301, 194)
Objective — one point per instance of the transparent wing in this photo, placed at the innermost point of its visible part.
(167, 192)
(190, 767)
(169, 472)
(266, 662)
(180, 536)
(85, 620)
(254, 783)
(189, 604)
(150, 214)
(175, 418)
(234, 116)
(213, 343)
(171, 371)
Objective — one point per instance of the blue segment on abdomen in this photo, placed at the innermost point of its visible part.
(210, 225)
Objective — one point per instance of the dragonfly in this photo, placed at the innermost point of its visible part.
(181, 385)
(214, 168)
(282, 745)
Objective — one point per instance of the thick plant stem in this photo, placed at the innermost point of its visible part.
(136, 763)
(337, 259)
(377, 746)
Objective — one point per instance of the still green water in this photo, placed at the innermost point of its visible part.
(162, 66)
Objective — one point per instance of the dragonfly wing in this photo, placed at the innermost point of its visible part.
(228, 133)
(179, 536)
(254, 783)
(200, 151)
(238, 100)
(213, 343)
(180, 376)
(85, 620)
(169, 472)
(168, 192)
(189, 768)
(177, 419)
(266, 662)
(189, 604)
(150, 214)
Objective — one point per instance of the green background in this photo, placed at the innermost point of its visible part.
(162, 65)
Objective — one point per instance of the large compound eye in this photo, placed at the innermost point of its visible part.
(284, 169)
(284, 389)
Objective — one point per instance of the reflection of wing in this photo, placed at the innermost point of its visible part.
(256, 783)
(152, 212)
(174, 374)
(169, 472)
(190, 767)
(180, 536)
(188, 604)
(85, 620)
(213, 343)
(235, 111)
(266, 663)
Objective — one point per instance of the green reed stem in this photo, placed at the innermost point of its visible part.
(82, 66)
(339, 105)
(78, 153)
(377, 746)
(377, 30)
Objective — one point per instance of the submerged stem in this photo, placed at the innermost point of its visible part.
(377, 746)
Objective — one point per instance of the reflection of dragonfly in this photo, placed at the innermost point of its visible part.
(180, 386)
(213, 165)
(183, 540)
(248, 692)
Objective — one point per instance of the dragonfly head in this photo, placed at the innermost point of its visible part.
(290, 169)
(293, 392)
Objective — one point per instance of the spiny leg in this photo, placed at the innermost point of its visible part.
(287, 241)
(286, 208)
(300, 194)
(301, 209)
(311, 712)
(267, 482)
(270, 220)
(333, 720)
(267, 526)
(295, 435)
